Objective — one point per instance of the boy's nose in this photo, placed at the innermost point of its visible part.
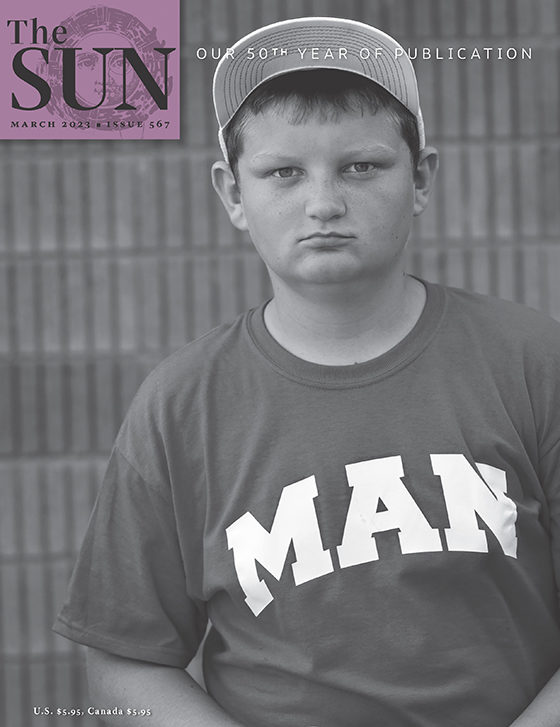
(324, 201)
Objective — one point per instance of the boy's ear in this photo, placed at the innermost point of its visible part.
(424, 177)
(228, 191)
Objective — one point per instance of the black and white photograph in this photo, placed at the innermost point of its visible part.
(280, 386)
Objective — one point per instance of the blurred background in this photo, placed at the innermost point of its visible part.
(115, 253)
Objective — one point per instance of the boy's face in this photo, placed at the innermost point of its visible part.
(326, 201)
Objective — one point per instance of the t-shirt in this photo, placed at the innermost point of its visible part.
(372, 544)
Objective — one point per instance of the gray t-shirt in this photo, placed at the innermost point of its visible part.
(373, 544)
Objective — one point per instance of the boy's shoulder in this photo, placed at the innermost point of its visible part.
(192, 369)
(513, 338)
(200, 355)
(220, 349)
(502, 323)
(174, 391)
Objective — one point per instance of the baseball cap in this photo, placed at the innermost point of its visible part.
(303, 44)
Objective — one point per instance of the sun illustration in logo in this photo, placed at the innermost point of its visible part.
(106, 88)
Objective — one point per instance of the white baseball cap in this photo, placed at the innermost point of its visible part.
(304, 44)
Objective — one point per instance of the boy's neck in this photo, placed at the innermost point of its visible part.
(341, 329)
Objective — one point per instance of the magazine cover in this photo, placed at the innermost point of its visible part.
(360, 514)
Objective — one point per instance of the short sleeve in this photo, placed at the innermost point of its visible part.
(545, 386)
(128, 594)
(550, 473)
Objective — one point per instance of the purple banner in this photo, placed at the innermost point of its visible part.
(73, 70)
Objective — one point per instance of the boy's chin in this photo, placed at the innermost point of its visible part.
(331, 269)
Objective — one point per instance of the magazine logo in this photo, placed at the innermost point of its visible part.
(100, 71)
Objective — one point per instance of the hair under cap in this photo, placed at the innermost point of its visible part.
(329, 43)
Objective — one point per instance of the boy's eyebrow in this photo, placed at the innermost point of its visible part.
(374, 149)
(280, 157)
(271, 156)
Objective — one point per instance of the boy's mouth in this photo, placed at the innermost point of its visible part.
(322, 239)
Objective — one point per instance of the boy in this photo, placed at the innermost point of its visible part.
(356, 483)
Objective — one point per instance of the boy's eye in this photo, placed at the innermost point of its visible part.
(286, 172)
(361, 167)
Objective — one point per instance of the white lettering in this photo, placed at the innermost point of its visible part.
(380, 502)
(468, 495)
(295, 521)
(374, 481)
